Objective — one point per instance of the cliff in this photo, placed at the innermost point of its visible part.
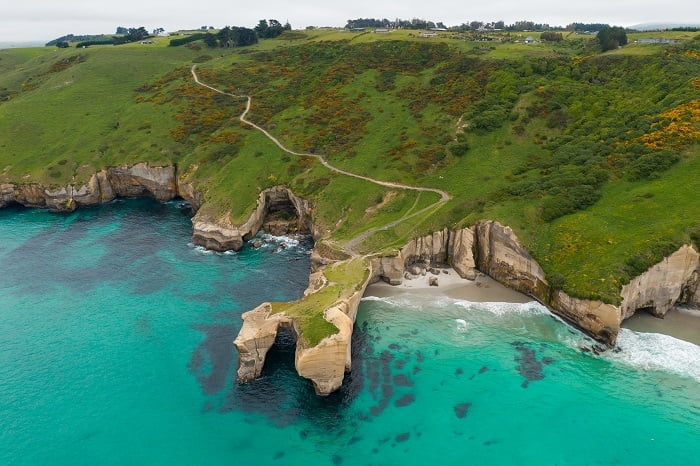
(221, 235)
(289, 212)
(487, 247)
(325, 362)
(140, 180)
(495, 250)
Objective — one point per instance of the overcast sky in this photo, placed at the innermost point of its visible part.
(42, 20)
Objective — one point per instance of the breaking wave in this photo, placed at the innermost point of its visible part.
(638, 350)
(654, 351)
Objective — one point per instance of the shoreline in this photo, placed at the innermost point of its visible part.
(450, 284)
(680, 322)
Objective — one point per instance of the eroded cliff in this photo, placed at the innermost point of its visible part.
(324, 362)
(495, 250)
(220, 234)
(141, 179)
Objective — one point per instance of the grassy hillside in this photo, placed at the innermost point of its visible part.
(591, 158)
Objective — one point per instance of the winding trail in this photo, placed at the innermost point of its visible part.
(350, 245)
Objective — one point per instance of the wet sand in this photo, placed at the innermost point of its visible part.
(482, 290)
(682, 323)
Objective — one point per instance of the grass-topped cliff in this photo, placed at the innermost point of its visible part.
(591, 158)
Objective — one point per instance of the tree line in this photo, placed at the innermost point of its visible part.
(124, 36)
(235, 36)
(417, 23)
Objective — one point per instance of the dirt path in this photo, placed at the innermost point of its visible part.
(350, 245)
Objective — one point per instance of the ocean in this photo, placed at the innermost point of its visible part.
(116, 348)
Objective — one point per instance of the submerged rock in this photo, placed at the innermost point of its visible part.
(461, 409)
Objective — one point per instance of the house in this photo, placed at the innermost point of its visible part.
(381, 30)
(529, 40)
(428, 34)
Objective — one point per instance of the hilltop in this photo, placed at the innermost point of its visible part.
(591, 158)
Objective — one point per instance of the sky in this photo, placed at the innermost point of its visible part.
(43, 20)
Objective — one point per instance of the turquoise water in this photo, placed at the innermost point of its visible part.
(115, 348)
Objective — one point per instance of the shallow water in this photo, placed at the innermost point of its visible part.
(116, 348)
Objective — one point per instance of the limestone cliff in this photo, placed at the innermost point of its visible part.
(660, 287)
(221, 235)
(325, 363)
(141, 179)
(495, 250)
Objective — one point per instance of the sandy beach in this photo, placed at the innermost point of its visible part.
(450, 284)
(681, 323)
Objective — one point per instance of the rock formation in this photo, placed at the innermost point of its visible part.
(487, 247)
(660, 287)
(141, 180)
(495, 250)
(221, 235)
(325, 363)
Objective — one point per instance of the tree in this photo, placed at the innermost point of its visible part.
(269, 29)
(611, 38)
(210, 40)
(62, 44)
(235, 37)
(122, 30)
(552, 36)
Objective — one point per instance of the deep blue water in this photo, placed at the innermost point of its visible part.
(116, 348)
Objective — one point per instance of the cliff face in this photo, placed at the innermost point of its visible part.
(161, 183)
(672, 280)
(221, 235)
(141, 179)
(326, 363)
(494, 249)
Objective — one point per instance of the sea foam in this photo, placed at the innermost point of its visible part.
(654, 351)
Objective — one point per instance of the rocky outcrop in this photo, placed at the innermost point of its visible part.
(255, 338)
(221, 235)
(422, 252)
(499, 254)
(672, 280)
(141, 179)
(326, 363)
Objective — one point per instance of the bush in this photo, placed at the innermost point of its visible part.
(186, 40)
(88, 43)
(575, 199)
(552, 36)
(458, 149)
(649, 166)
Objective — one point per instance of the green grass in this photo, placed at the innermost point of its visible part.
(537, 119)
(344, 278)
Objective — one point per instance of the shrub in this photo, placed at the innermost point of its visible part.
(649, 166)
(575, 199)
(458, 149)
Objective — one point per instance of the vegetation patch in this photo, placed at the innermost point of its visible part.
(344, 279)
